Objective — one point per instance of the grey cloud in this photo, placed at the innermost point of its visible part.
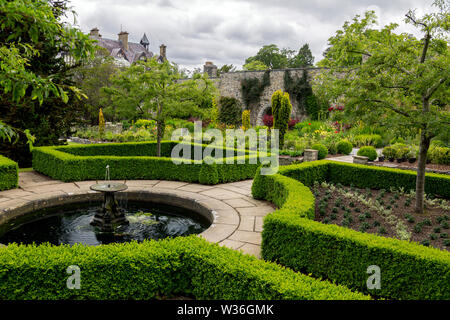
(229, 31)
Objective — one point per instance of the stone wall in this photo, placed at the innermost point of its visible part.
(229, 85)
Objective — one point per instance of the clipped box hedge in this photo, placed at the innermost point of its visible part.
(9, 174)
(293, 239)
(134, 161)
(152, 269)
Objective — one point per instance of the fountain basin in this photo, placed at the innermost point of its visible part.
(31, 211)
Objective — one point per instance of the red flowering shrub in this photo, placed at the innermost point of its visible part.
(268, 121)
(292, 123)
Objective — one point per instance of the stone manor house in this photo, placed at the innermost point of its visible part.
(126, 52)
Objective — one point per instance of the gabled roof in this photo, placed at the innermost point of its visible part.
(144, 41)
(135, 50)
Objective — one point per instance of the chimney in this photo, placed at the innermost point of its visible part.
(162, 52)
(123, 38)
(95, 33)
(210, 69)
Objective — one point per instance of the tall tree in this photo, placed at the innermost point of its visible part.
(91, 78)
(394, 79)
(271, 56)
(149, 89)
(35, 80)
(255, 65)
(302, 59)
(226, 68)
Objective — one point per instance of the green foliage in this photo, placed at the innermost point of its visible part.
(281, 111)
(271, 57)
(300, 89)
(293, 239)
(369, 152)
(368, 140)
(323, 151)
(36, 83)
(246, 119)
(389, 152)
(344, 147)
(101, 123)
(230, 111)
(9, 174)
(133, 161)
(152, 88)
(255, 66)
(209, 174)
(91, 78)
(153, 269)
(439, 155)
(252, 88)
(393, 80)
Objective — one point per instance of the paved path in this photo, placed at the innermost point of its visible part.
(238, 217)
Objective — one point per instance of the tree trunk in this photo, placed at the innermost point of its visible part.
(420, 180)
(160, 127)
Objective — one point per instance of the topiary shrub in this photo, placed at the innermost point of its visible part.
(323, 151)
(344, 147)
(389, 152)
(246, 119)
(439, 155)
(230, 111)
(369, 152)
(281, 111)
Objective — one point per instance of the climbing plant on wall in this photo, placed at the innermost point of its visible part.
(252, 88)
(300, 89)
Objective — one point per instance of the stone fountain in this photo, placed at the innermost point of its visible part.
(110, 216)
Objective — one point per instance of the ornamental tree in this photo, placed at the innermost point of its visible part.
(281, 111)
(393, 80)
(149, 89)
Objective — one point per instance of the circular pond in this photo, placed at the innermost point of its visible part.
(70, 224)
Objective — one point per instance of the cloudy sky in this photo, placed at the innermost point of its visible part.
(229, 31)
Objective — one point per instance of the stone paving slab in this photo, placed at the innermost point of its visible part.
(238, 218)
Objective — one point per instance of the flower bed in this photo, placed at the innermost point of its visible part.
(292, 238)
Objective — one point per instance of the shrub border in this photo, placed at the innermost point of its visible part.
(59, 164)
(292, 238)
(154, 269)
(9, 174)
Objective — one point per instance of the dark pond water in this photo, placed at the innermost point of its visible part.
(71, 224)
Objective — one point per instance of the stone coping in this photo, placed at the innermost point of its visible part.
(236, 218)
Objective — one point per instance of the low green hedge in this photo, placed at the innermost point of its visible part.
(9, 174)
(293, 239)
(153, 269)
(135, 160)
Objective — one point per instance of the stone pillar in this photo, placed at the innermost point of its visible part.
(210, 69)
(123, 38)
(162, 52)
(310, 155)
